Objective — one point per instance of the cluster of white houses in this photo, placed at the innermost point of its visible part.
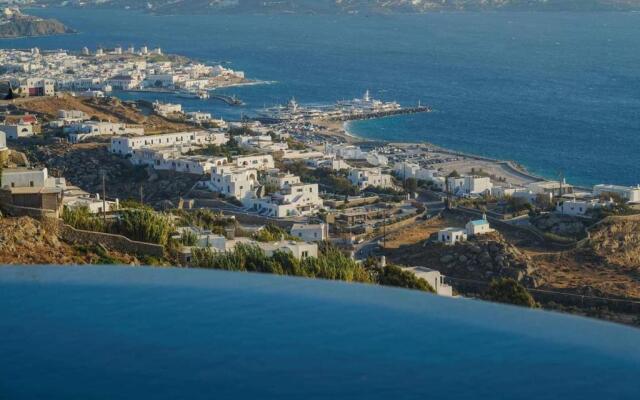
(288, 196)
(35, 73)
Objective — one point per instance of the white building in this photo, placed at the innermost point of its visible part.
(173, 159)
(629, 193)
(345, 151)
(365, 177)
(24, 177)
(128, 145)
(478, 227)
(36, 87)
(204, 238)
(94, 204)
(198, 117)
(81, 131)
(575, 207)
(451, 236)
(299, 250)
(17, 131)
(123, 82)
(3, 141)
(434, 278)
(166, 109)
(405, 170)
(261, 162)
(555, 188)
(377, 160)
(232, 181)
(310, 232)
(281, 179)
(469, 185)
(293, 200)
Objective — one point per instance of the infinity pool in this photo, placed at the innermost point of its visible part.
(125, 333)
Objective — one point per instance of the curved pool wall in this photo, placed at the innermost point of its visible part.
(122, 332)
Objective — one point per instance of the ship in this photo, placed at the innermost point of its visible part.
(191, 94)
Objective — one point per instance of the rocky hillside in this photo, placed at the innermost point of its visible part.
(617, 241)
(478, 259)
(26, 241)
(21, 25)
(352, 6)
(82, 165)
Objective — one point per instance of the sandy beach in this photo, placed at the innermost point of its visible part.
(455, 161)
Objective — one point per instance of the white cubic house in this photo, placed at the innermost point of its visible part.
(232, 181)
(434, 278)
(365, 177)
(469, 185)
(631, 194)
(17, 131)
(310, 232)
(452, 236)
(36, 178)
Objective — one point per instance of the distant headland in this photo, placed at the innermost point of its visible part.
(14, 24)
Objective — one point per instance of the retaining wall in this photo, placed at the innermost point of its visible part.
(108, 240)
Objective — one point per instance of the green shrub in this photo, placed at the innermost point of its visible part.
(272, 233)
(144, 225)
(509, 291)
(81, 218)
(392, 275)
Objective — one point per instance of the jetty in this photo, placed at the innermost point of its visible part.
(231, 100)
(380, 114)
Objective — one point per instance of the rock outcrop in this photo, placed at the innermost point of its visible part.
(617, 241)
(484, 259)
(27, 241)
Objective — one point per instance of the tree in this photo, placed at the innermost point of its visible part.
(411, 185)
(453, 174)
(509, 291)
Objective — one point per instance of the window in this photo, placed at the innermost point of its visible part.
(31, 183)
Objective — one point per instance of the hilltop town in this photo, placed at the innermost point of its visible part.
(289, 192)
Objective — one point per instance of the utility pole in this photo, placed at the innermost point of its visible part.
(561, 178)
(404, 175)
(384, 231)
(104, 199)
(141, 195)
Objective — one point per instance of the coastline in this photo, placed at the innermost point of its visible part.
(517, 173)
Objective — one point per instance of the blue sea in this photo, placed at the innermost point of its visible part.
(556, 92)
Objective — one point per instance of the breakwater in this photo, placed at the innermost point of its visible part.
(381, 114)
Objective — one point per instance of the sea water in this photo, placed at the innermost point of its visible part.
(556, 92)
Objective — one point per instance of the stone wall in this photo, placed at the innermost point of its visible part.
(18, 211)
(110, 241)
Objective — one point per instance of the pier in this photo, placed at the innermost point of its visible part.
(381, 114)
(231, 100)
